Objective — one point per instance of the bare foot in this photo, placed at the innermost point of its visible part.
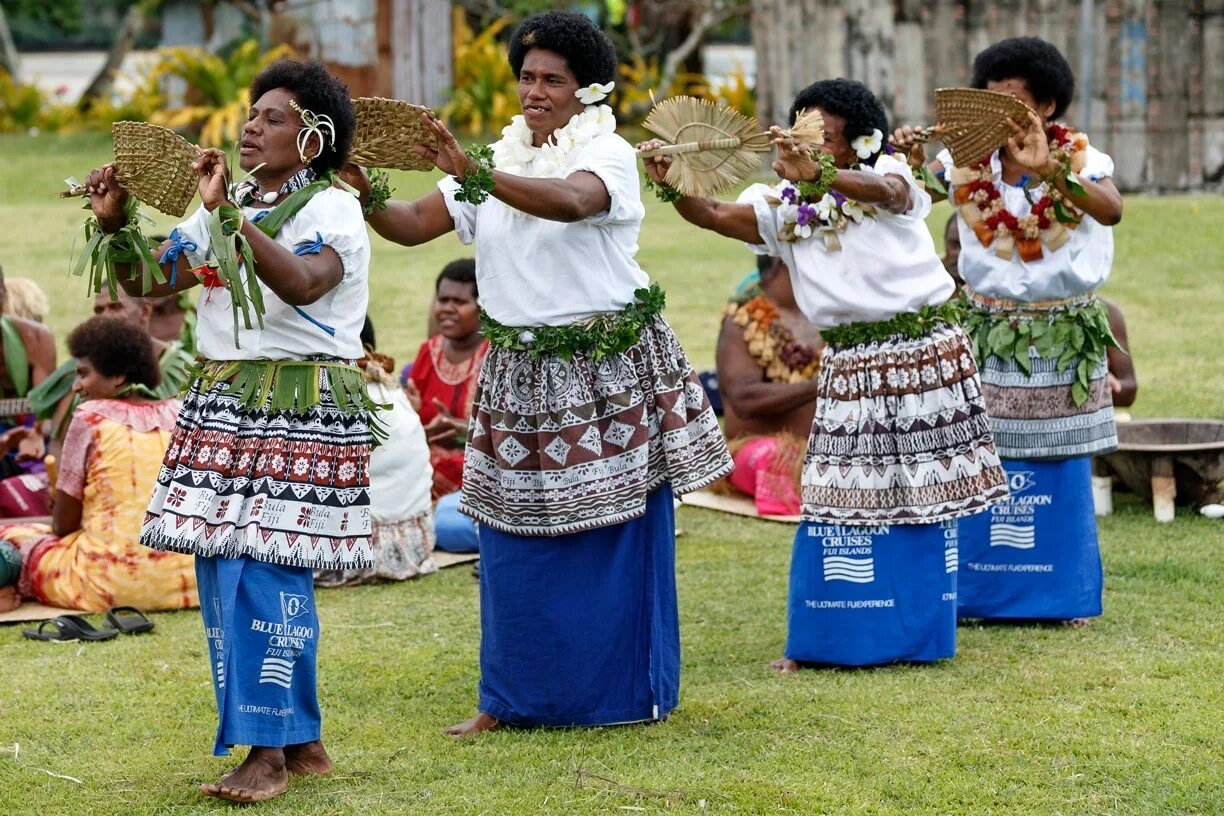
(477, 725)
(1076, 623)
(261, 776)
(784, 666)
(308, 758)
(9, 599)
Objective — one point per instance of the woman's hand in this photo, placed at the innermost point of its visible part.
(449, 157)
(794, 162)
(106, 198)
(28, 443)
(1030, 147)
(656, 166)
(445, 426)
(211, 168)
(906, 140)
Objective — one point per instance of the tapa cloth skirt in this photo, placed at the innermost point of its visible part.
(278, 487)
(1036, 555)
(559, 446)
(1033, 415)
(900, 434)
(863, 596)
(581, 629)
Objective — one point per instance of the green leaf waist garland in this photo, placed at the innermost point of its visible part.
(599, 337)
(1077, 334)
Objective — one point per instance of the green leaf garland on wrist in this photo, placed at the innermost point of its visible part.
(668, 195)
(474, 188)
(380, 192)
(816, 190)
(104, 250)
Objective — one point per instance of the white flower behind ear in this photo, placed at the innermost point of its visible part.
(594, 93)
(868, 146)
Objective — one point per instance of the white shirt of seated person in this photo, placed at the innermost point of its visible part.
(1079, 266)
(886, 266)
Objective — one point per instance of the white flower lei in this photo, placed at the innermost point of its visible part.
(514, 152)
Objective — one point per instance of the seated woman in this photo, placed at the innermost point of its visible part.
(441, 387)
(768, 356)
(402, 535)
(90, 558)
(27, 357)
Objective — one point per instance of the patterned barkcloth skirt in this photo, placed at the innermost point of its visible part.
(1036, 555)
(581, 629)
(900, 434)
(403, 549)
(869, 595)
(559, 446)
(278, 487)
(1033, 415)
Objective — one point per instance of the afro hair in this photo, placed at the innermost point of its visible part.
(1045, 71)
(319, 92)
(587, 50)
(462, 270)
(847, 98)
(116, 346)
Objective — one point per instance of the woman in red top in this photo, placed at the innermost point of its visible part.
(443, 379)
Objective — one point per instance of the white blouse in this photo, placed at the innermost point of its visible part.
(886, 266)
(536, 272)
(1079, 266)
(331, 326)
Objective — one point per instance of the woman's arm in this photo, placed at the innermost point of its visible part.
(1030, 147)
(298, 280)
(66, 514)
(108, 200)
(795, 163)
(743, 382)
(731, 219)
(410, 223)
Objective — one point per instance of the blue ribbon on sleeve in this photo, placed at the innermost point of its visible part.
(178, 245)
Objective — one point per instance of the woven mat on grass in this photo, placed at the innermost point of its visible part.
(736, 505)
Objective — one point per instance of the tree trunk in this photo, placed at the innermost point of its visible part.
(133, 23)
(8, 51)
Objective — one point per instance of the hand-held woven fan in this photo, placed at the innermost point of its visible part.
(387, 130)
(974, 123)
(152, 163)
(714, 147)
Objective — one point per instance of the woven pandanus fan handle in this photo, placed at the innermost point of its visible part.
(729, 143)
(922, 135)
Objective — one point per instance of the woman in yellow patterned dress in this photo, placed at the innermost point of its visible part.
(90, 558)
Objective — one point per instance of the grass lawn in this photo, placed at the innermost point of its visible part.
(1123, 717)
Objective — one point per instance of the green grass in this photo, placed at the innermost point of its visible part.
(1124, 717)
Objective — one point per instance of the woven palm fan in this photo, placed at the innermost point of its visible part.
(387, 130)
(152, 163)
(974, 123)
(714, 147)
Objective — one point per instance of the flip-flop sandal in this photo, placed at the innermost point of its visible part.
(129, 620)
(68, 627)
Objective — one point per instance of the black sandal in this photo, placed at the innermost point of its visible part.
(69, 627)
(129, 620)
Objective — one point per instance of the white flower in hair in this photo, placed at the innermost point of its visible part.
(594, 93)
(868, 146)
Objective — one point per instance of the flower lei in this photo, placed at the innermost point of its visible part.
(805, 214)
(782, 356)
(515, 153)
(977, 197)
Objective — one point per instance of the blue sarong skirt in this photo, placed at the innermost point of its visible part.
(263, 637)
(1036, 555)
(581, 629)
(870, 595)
